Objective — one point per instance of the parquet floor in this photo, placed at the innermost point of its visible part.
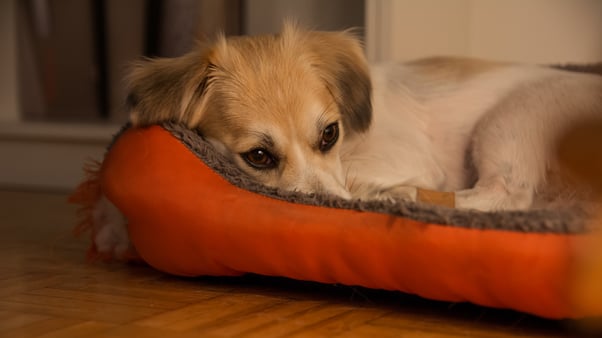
(47, 289)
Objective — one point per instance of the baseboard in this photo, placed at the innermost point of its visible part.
(45, 156)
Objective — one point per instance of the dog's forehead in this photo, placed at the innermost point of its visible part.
(279, 130)
(275, 94)
(300, 120)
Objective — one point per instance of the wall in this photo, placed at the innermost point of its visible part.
(538, 31)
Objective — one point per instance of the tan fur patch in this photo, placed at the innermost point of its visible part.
(239, 77)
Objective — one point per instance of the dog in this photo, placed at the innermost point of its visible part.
(304, 111)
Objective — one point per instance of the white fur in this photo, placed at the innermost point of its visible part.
(507, 118)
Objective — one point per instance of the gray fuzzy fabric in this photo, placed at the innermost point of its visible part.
(551, 221)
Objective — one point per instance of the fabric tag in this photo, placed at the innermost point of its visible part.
(443, 198)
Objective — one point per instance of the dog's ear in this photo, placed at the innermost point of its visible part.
(340, 61)
(168, 89)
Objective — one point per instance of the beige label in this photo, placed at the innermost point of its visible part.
(442, 198)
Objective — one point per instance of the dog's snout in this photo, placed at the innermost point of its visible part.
(323, 185)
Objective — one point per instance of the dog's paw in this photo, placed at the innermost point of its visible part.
(110, 230)
(494, 197)
(398, 193)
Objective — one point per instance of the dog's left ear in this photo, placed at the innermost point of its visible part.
(341, 62)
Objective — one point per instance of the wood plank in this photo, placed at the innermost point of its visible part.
(107, 298)
(12, 320)
(208, 312)
(164, 293)
(37, 328)
(261, 320)
(75, 308)
(346, 322)
(83, 329)
(301, 321)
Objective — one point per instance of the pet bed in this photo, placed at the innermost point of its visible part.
(191, 212)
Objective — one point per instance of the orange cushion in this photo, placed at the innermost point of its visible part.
(185, 219)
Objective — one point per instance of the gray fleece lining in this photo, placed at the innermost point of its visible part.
(562, 221)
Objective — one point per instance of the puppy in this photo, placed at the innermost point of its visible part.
(303, 111)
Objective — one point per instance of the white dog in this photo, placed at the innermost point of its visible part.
(304, 111)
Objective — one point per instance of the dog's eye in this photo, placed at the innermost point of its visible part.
(259, 158)
(330, 135)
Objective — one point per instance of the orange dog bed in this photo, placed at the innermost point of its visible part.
(190, 213)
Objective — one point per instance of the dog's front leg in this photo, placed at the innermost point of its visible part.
(495, 195)
(414, 194)
(398, 193)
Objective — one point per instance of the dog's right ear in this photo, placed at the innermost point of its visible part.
(341, 63)
(168, 89)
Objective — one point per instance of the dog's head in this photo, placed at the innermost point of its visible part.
(278, 105)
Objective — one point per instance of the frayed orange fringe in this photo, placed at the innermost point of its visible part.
(86, 195)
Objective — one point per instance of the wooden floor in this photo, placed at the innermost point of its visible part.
(47, 289)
